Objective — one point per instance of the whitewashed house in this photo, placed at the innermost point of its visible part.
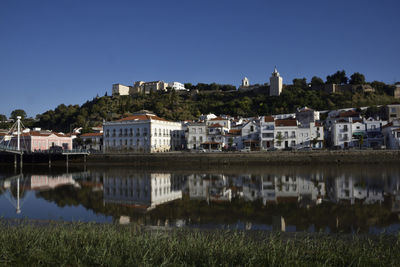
(196, 134)
(143, 132)
(267, 128)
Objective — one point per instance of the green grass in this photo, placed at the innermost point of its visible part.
(112, 245)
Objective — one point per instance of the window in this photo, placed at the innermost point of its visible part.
(200, 130)
(120, 132)
(201, 139)
(126, 132)
(251, 128)
(107, 133)
(130, 132)
(345, 128)
(113, 133)
(286, 134)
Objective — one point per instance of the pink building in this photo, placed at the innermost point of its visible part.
(41, 141)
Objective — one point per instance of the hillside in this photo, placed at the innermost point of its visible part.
(189, 105)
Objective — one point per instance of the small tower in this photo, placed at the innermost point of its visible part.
(245, 82)
(275, 83)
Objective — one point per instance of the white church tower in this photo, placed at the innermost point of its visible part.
(245, 82)
(275, 81)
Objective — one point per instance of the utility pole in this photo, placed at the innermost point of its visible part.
(18, 132)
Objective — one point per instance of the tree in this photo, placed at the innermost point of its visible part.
(18, 112)
(279, 139)
(301, 83)
(316, 81)
(357, 78)
(3, 117)
(188, 86)
(338, 78)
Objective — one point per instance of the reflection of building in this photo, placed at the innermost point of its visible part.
(143, 191)
(348, 188)
(46, 182)
(209, 187)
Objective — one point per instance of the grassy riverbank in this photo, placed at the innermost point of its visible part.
(114, 245)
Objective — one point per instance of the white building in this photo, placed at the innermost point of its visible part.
(196, 135)
(225, 122)
(177, 86)
(147, 87)
(143, 132)
(119, 89)
(391, 132)
(285, 133)
(267, 128)
(275, 84)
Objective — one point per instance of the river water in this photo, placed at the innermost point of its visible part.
(330, 198)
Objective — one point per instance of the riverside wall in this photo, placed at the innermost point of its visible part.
(182, 159)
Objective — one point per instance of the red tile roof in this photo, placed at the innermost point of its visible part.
(91, 134)
(218, 119)
(235, 131)
(348, 114)
(269, 119)
(286, 123)
(318, 124)
(215, 125)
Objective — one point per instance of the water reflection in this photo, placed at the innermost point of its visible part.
(292, 199)
(142, 191)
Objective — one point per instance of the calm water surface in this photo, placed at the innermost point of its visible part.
(348, 199)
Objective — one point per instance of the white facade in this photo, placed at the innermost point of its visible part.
(119, 89)
(177, 86)
(196, 135)
(143, 132)
(147, 87)
(226, 123)
(245, 82)
(275, 84)
(267, 128)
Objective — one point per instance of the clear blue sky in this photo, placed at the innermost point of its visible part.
(54, 52)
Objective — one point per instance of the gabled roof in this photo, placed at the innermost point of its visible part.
(268, 119)
(285, 123)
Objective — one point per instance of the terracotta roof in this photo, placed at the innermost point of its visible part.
(354, 121)
(268, 119)
(215, 125)
(142, 118)
(350, 113)
(390, 124)
(235, 131)
(318, 124)
(91, 134)
(286, 123)
(217, 119)
(251, 141)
